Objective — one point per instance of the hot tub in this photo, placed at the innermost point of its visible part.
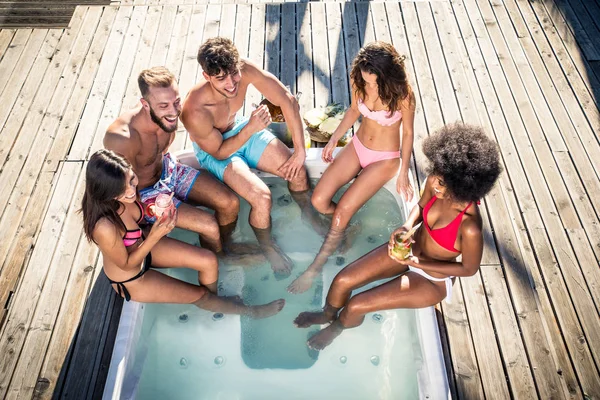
(181, 352)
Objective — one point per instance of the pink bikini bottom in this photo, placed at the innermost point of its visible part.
(367, 156)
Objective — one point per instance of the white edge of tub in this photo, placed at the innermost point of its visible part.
(431, 376)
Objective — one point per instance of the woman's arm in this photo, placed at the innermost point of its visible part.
(407, 108)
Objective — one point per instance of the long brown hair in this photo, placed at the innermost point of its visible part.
(382, 59)
(105, 180)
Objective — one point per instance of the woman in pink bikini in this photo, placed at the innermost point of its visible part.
(465, 165)
(382, 95)
(112, 215)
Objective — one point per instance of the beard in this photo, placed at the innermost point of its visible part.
(161, 124)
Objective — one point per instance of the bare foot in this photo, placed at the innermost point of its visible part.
(302, 283)
(280, 262)
(350, 236)
(266, 310)
(306, 319)
(325, 336)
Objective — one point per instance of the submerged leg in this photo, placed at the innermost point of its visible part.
(280, 262)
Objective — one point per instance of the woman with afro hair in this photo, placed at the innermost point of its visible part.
(465, 165)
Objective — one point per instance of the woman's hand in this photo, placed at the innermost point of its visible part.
(404, 187)
(327, 154)
(165, 224)
(405, 232)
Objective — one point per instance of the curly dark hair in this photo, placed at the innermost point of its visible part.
(218, 55)
(465, 158)
(382, 59)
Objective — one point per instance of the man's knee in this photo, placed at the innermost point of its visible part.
(210, 230)
(229, 203)
(260, 199)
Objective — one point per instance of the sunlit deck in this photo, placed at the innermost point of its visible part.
(526, 326)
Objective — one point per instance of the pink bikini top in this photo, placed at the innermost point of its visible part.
(381, 116)
(133, 235)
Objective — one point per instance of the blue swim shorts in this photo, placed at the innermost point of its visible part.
(249, 153)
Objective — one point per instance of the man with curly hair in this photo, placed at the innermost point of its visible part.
(465, 165)
(228, 146)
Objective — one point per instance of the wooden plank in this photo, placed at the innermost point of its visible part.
(305, 80)
(28, 293)
(175, 56)
(538, 335)
(68, 318)
(586, 21)
(487, 64)
(272, 39)
(95, 102)
(123, 72)
(365, 23)
(143, 54)
(583, 70)
(227, 29)
(83, 88)
(380, 22)
(568, 266)
(178, 39)
(21, 70)
(321, 67)
(439, 68)
(106, 349)
(581, 194)
(6, 36)
(26, 191)
(44, 318)
(400, 42)
(34, 115)
(163, 36)
(464, 362)
(18, 98)
(190, 67)
(11, 56)
(91, 337)
(585, 152)
(577, 29)
(338, 66)
(578, 101)
(484, 338)
(351, 41)
(288, 47)
(507, 332)
(256, 51)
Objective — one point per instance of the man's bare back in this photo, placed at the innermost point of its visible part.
(141, 143)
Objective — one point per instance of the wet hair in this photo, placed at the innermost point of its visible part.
(465, 159)
(154, 77)
(382, 59)
(105, 180)
(218, 55)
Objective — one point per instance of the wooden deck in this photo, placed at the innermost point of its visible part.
(526, 326)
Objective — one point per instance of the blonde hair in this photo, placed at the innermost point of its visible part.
(154, 77)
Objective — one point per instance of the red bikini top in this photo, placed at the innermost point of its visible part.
(446, 236)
